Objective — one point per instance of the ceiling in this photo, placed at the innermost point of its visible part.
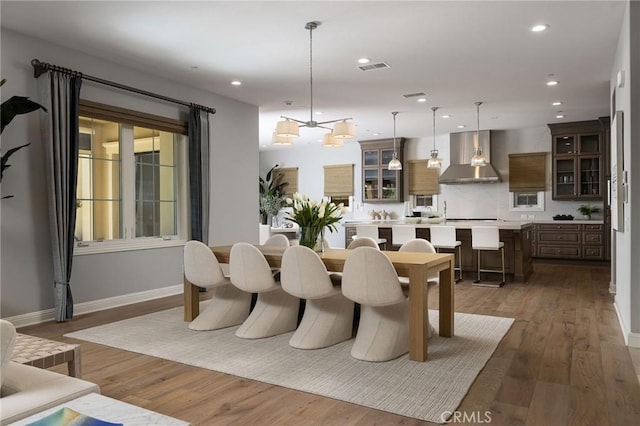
(455, 52)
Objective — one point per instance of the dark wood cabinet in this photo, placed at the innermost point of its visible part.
(570, 241)
(578, 160)
(380, 185)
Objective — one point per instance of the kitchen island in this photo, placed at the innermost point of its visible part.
(516, 236)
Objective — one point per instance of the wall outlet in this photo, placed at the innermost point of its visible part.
(531, 216)
(523, 217)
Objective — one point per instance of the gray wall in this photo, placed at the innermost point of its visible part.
(26, 275)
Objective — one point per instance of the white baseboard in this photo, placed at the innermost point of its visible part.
(96, 305)
(630, 339)
(612, 287)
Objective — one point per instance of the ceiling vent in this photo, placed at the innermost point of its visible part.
(415, 95)
(370, 67)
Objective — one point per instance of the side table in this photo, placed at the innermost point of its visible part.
(45, 353)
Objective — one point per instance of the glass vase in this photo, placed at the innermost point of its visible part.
(312, 237)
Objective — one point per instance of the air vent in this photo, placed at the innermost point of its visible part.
(370, 67)
(414, 95)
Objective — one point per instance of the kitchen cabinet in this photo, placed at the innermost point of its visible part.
(578, 160)
(380, 185)
(570, 241)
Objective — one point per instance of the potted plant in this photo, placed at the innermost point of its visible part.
(271, 196)
(588, 210)
(10, 108)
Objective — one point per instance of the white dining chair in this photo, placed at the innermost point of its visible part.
(400, 234)
(487, 238)
(277, 240)
(369, 278)
(420, 245)
(228, 305)
(370, 231)
(328, 315)
(275, 311)
(363, 242)
(444, 237)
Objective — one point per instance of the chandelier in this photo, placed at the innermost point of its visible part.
(289, 127)
(434, 161)
(478, 158)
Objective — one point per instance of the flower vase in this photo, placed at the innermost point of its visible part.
(312, 237)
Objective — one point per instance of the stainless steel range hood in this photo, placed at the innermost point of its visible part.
(461, 150)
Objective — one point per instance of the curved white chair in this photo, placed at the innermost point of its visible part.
(363, 242)
(370, 231)
(444, 237)
(400, 234)
(487, 238)
(278, 240)
(370, 279)
(328, 315)
(276, 311)
(420, 245)
(228, 306)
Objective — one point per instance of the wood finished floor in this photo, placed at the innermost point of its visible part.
(563, 362)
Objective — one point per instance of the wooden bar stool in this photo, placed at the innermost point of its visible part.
(487, 238)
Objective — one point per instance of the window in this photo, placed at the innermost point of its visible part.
(526, 200)
(131, 190)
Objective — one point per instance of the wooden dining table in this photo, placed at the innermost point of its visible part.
(416, 266)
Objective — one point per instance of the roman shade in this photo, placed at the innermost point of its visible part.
(290, 177)
(422, 179)
(338, 180)
(527, 172)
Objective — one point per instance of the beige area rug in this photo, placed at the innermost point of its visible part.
(421, 390)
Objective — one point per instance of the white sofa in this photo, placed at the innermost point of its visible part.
(28, 390)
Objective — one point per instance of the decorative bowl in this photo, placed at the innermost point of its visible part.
(412, 220)
(436, 219)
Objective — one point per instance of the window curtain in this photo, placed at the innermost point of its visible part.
(199, 173)
(60, 94)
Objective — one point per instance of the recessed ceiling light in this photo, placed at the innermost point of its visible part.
(319, 112)
(375, 134)
(560, 116)
(539, 28)
(446, 116)
(461, 126)
(364, 60)
(552, 83)
(236, 83)
(556, 103)
(194, 67)
(421, 100)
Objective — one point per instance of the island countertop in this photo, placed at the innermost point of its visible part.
(458, 224)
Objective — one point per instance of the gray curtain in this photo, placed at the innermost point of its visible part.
(199, 174)
(60, 94)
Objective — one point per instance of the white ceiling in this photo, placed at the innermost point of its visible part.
(456, 52)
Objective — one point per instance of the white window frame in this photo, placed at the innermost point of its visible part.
(539, 207)
(129, 241)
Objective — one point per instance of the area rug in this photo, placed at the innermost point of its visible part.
(420, 390)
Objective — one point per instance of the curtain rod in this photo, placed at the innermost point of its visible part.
(40, 68)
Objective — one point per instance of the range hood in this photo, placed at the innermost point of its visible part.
(461, 150)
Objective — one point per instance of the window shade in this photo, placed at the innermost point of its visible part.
(135, 118)
(338, 180)
(290, 176)
(528, 172)
(422, 179)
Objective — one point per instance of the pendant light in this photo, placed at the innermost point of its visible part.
(434, 161)
(329, 141)
(289, 127)
(478, 158)
(394, 164)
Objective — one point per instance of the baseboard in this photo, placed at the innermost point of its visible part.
(625, 334)
(634, 340)
(96, 305)
(612, 287)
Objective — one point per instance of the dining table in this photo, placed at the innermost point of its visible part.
(416, 266)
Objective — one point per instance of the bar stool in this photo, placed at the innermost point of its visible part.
(487, 238)
(400, 234)
(444, 237)
(370, 231)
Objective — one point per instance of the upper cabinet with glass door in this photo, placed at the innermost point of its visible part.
(578, 172)
(378, 183)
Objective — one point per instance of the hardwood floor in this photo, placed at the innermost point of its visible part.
(563, 362)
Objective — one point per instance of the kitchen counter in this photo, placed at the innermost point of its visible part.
(516, 235)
